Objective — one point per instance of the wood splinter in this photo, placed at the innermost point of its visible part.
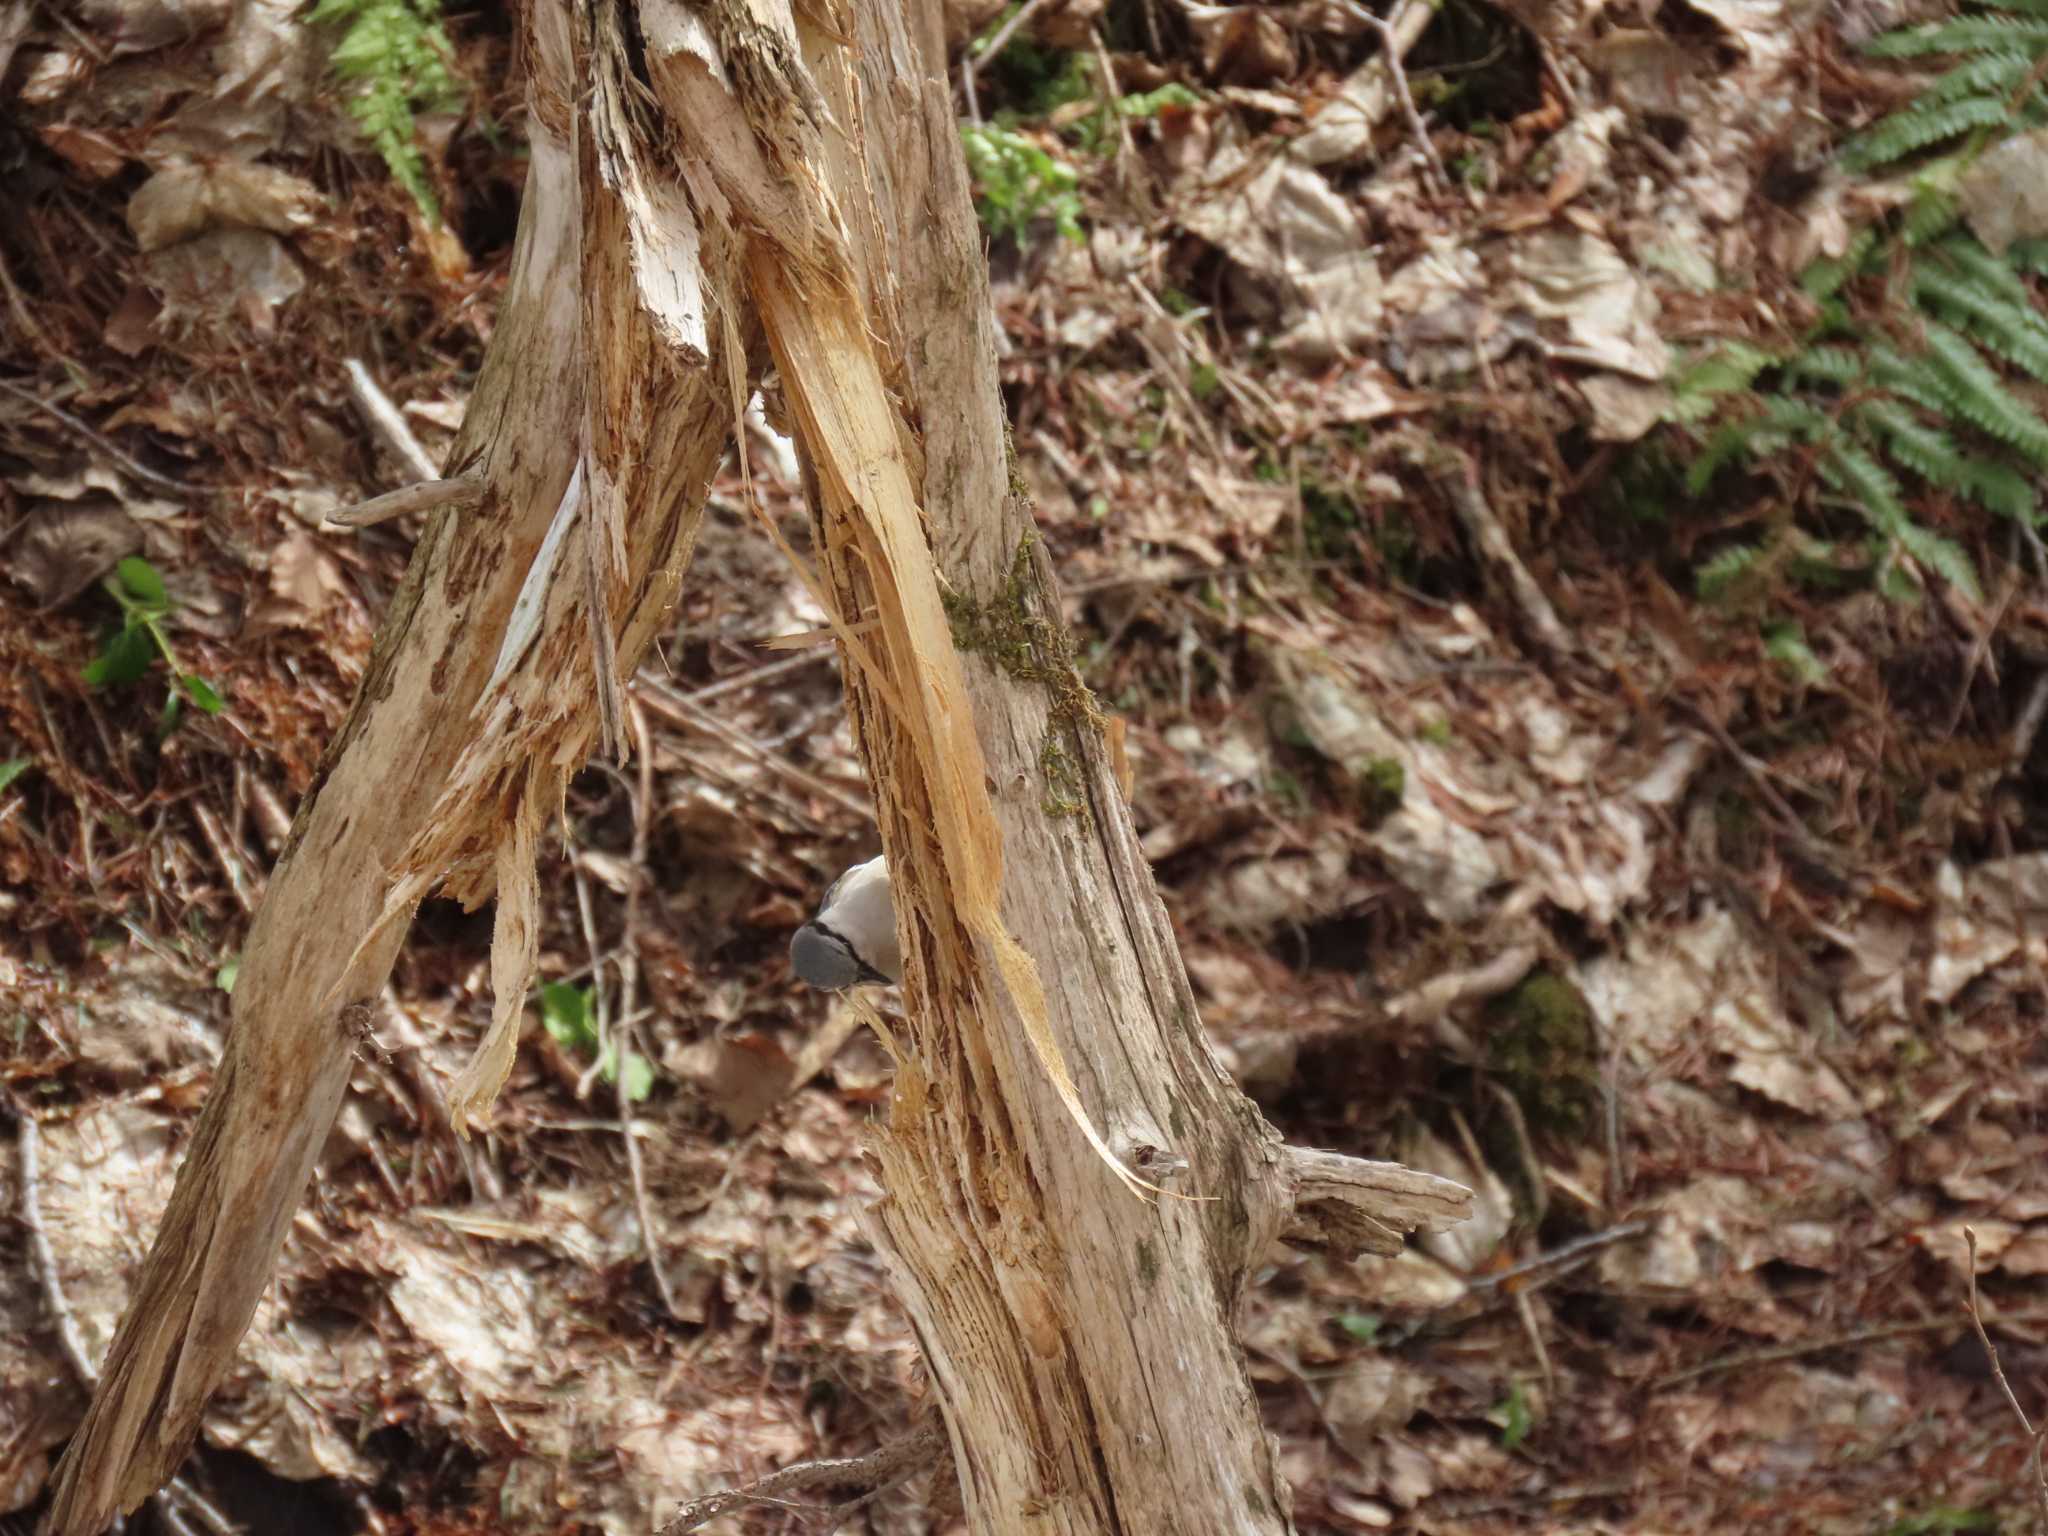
(1348, 1206)
(421, 496)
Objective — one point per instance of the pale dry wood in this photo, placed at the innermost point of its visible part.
(1349, 1205)
(1080, 1335)
(476, 707)
(420, 496)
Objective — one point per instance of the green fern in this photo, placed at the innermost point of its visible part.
(1967, 34)
(394, 56)
(1782, 421)
(1904, 132)
(2030, 256)
(1701, 385)
(1715, 579)
(1975, 392)
(1912, 399)
(1824, 279)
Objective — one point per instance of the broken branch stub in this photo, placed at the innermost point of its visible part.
(479, 702)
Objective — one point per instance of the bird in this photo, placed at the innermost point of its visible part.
(852, 937)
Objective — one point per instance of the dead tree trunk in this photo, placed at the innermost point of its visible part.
(602, 409)
(1080, 1330)
(1076, 1191)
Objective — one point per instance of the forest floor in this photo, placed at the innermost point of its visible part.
(1699, 924)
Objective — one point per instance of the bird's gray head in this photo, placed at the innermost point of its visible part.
(823, 959)
(853, 936)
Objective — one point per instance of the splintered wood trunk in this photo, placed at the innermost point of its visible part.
(584, 461)
(1076, 1191)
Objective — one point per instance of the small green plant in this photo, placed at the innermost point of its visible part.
(567, 1015)
(394, 57)
(1016, 181)
(1379, 785)
(127, 651)
(12, 769)
(1944, 1518)
(1511, 1416)
(1899, 403)
(1362, 1326)
(1095, 132)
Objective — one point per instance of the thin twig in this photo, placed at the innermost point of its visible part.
(1459, 477)
(977, 62)
(190, 1501)
(629, 999)
(878, 1471)
(767, 672)
(1565, 1254)
(1391, 47)
(388, 421)
(1816, 852)
(421, 496)
(685, 710)
(2038, 1436)
(141, 472)
(1778, 1352)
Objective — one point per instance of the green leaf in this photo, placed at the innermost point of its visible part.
(13, 769)
(1362, 1326)
(201, 692)
(125, 657)
(1511, 1413)
(1786, 642)
(140, 580)
(224, 978)
(565, 1013)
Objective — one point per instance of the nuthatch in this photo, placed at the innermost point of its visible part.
(853, 936)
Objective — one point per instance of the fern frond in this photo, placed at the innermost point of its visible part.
(1977, 394)
(1782, 421)
(1731, 366)
(1966, 34)
(1714, 577)
(1943, 556)
(2000, 275)
(1996, 73)
(2029, 256)
(1895, 137)
(1853, 472)
(2002, 489)
(1909, 378)
(2014, 331)
(395, 57)
(1936, 457)
(1823, 279)
(1933, 214)
(1843, 367)
(1876, 494)
(1928, 451)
